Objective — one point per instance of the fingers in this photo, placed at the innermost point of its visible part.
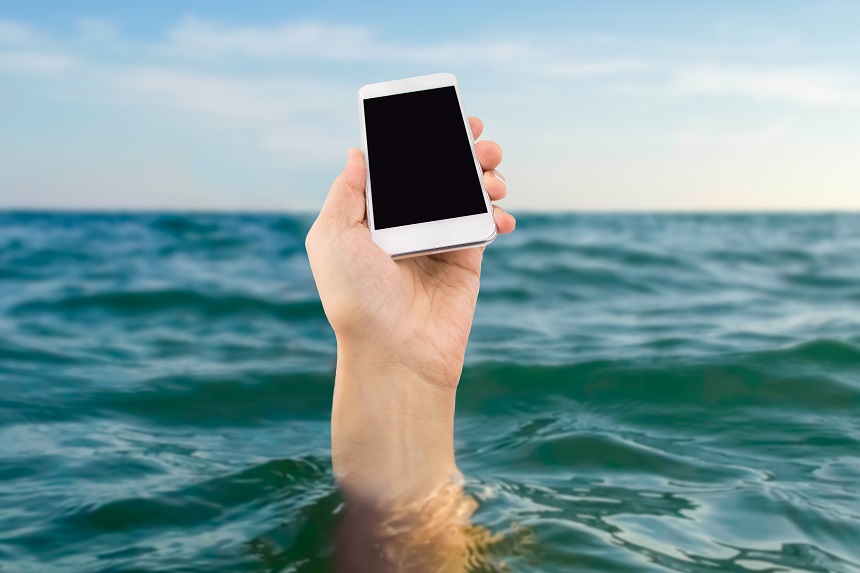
(505, 222)
(345, 204)
(489, 154)
(477, 127)
(494, 183)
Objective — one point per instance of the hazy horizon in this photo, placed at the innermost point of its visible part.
(666, 107)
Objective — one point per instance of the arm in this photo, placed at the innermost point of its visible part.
(393, 455)
(401, 331)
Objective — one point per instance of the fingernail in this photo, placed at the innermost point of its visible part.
(498, 175)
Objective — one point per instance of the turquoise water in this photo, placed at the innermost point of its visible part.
(642, 393)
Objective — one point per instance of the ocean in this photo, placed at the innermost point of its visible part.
(641, 393)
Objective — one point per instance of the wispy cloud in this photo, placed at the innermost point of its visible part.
(209, 95)
(34, 62)
(799, 86)
(23, 49)
(587, 69)
(197, 36)
(97, 29)
(16, 33)
(315, 41)
(766, 136)
(291, 116)
(282, 93)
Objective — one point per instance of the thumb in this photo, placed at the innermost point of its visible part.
(346, 204)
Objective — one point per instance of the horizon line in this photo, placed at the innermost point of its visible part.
(527, 212)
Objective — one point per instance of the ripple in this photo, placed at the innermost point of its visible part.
(641, 393)
(171, 300)
(206, 401)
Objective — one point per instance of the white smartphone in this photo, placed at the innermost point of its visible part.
(425, 186)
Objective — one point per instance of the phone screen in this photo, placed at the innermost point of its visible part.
(420, 160)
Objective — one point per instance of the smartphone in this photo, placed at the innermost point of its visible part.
(425, 186)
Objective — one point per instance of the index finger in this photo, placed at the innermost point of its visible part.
(477, 127)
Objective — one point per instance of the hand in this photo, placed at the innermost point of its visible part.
(401, 329)
(417, 311)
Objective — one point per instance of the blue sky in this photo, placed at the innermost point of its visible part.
(617, 105)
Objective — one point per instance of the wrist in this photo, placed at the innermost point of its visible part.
(413, 358)
(392, 428)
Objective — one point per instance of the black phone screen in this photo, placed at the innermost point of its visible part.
(420, 162)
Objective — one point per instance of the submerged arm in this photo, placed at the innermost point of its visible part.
(402, 328)
(393, 455)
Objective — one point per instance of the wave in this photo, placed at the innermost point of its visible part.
(120, 303)
(620, 254)
(674, 391)
(249, 399)
(13, 352)
(266, 491)
(819, 376)
(791, 376)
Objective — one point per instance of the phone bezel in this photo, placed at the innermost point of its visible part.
(432, 236)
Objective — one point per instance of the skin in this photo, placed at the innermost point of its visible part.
(401, 328)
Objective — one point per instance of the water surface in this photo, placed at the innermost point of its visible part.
(642, 393)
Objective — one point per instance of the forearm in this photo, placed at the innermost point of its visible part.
(393, 456)
(392, 429)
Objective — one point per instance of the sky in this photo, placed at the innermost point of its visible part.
(598, 106)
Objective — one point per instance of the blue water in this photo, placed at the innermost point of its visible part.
(642, 393)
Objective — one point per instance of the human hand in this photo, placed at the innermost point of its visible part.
(417, 311)
(401, 329)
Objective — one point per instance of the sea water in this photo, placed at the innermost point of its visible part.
(641, 393)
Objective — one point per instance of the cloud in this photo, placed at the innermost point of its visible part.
(797, 86)
(306, 143)
(35, 62)
(16, 33)
(598, 68)
(282, 94)
(231, 100)
(197, 36)
(210, 95)
(293, 119)
(97, 29)
(315, 41)
(738, 140)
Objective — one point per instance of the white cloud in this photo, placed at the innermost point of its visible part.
(16, 33)
(305, 40)
(35, 62)
(195, 36)
(232, 77)
(30, 52)
(297, 120)
(598, 68)
(266, 106)
(348, 42)
(306, 143)
(97, 29)
(798, 86)
(737, 140)
(210, 95)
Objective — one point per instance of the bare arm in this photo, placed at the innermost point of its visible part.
(402, 329)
